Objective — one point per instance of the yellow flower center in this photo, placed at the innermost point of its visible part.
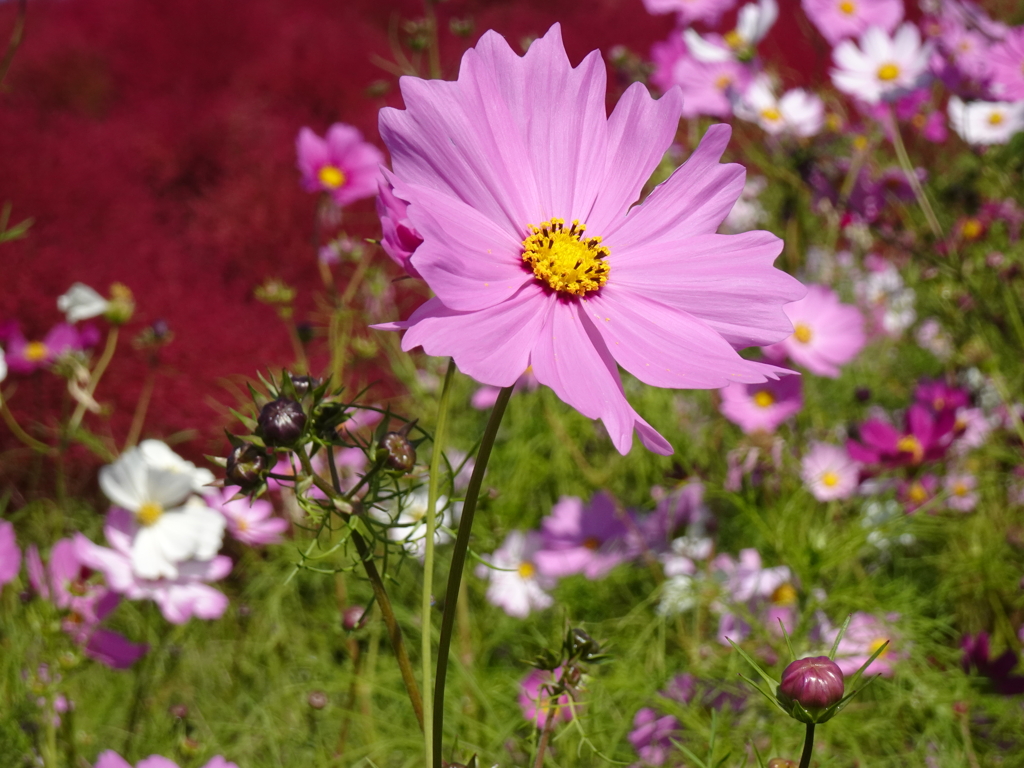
(526, 570)
(734, 40)
(784, 594)
(764, 399)
(917, 493)
(591, 543)
(722, 82)
(878, 643)
(331, 176)
(971, 228)
(860, 143)
(803, 333)
(910, 444)
(771, 114)
(149, 512)
(242, 524)
(830, 479)
(888, 72)
(36, 351)
(960, 489)
(996, 118)
(564, 260)
(847, 7)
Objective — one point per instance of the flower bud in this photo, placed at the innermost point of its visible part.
(815, 683)
(317, 699)
(246, 465)
(397, 452)
(781, 762)
(122, 304)
(281, 422)
(304, 384)
(354, 617)
(180, 711)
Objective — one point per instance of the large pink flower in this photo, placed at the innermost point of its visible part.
(523, 190)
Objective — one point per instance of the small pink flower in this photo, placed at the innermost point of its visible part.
(652, 736)
(25, 357)
(110, 759)
(865, 635)
(829, 472)
(916, 493)
(963, 496)
(517, 586)
(590, 540)
(826, 333)
(689, 11)
(762, 407)
(342, 164)
(926, 437)
(535, 698)
(10, 554)
(707, 87)
(837, 20)
(251, 524)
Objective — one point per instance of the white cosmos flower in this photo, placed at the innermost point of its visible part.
(174, 525)
(986, 122)
(158, 454)
(752, 24)
(883, 68)
(81, 303)
(518, 587)
(409, 524)
(798, 112)
(3, 366)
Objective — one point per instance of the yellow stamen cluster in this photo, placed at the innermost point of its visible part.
(564, 260)
(734, 40)
(847, 7)
(526, 570)
(591, 543)
(878, 643)
(830, 479)
(888, 72)
(764, 399)
(917, 493)
(36, 351)
(771, 114)
(972, 228)
(784, 594)
(802, 332)
(910, 444)
(331, 176)
(960, 489)
(149, 512)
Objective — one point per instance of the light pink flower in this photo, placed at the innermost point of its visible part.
(535, 698)
(590, 540)
(707, 87)
(829, 472)
(826, 333)
(962, 490)
(840, 19)
(1006, 65)
(883, 67)
(10, 555)
(180, 598)
(864, 636)
(110, 759)
(517, 586)
(251, 524)
(342, 164)
(768, 594)
(762, 407)
(689, 11)
(521, 146)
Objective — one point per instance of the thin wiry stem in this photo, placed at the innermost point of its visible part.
(915, 183)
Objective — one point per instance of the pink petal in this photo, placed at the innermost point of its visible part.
(113, 650)
(110, 759)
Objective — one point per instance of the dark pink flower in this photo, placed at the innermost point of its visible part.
(977, 659)
(10, 555)
(815, 682)
(342, 164)
(926, 437)
(577, 539)
(25, 357)
(252, 524)
(535, 698)
(940, 396)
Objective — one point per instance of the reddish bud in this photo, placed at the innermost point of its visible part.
(816, 683)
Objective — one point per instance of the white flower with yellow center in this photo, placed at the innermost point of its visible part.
(986, 122)
(174, 525)
(798, 112)
(517, 587)
(158, 454)
(82, 303)
(752, 25)
(409, 521)
(882, 68)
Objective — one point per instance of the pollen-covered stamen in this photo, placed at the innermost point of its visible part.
(803, 333)
(565, 260)
(888, 72)
(149, 512)
(764, 399)
(331, 176)
(36, 351)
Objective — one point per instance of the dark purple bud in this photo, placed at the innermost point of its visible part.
(281, 422)
(317, 699)
(354, 618)
(816, 683)
(303, 385)
(397, 452)
(246, 466)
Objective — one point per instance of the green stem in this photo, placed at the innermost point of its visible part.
(94, 380)
(428, 556)
(805, 758)
(915, 183)
(451, 596)
(20, 433)
(141, 407)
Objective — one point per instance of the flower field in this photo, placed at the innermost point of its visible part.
(504, 384)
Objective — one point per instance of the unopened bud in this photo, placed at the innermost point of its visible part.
(317, 700)
(354, 618)
(246, 466)
(397, 452)
(179, 711)
(781, 762)
(281, 422)
(304, 384)
(815, 683)
(122, 304)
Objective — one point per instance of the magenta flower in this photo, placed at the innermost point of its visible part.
(1006, 65)
(689, 11)
(252, 524)
(865, 635)
(940, 396)
(837, 20)
(343, 165)
(25, 357)
(927, 437)
(707, 87)
(10, 555)
(590, 540)
(762, 407)
(400, 239)
(523, 191)
(179, 598)
(535, 698)
(826, 333)
(66, 582)
(652, 735)
(829, 472)
(110, 759)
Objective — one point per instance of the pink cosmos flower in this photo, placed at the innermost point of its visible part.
(864, 636)
(915, 493)
(535, 698)
(590, 540)
(883, 67)
(10, 554)
(652, 735)
(517, 586)
(926, 437)
(343, 165)
(523, 191)
(837, 20)
(826, 333)
(766, 593)
(762, 407)
(110, 759)
(180, 598)
(962, 490)
(689, 11)
(252, 524)
(25, 357)
(940, 396)
(973, 428)
(1006, 65)
(707, 87)
(400, 239)
(680, 507)
(65, 581)
(829, 472)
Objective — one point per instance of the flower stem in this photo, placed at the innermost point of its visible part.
(451, 595)
(20, 433)
(94, 380)
(545, 737)
(915, 183)
(805, 758)
(428, 557)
